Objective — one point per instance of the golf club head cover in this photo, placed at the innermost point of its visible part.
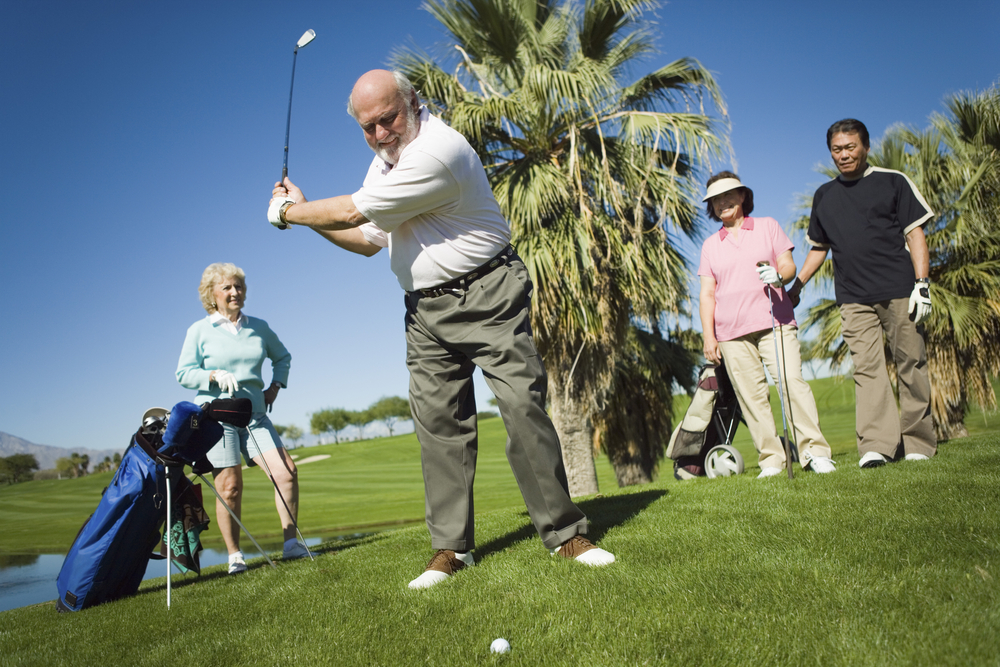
(190, 434)
(234, 411)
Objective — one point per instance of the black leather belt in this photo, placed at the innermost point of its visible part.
(462, 282)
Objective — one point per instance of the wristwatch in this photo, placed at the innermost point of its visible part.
(281, 211)
(926, 281)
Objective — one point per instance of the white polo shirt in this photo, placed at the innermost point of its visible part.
(434, 209)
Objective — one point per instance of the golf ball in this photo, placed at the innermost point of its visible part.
(500, 645)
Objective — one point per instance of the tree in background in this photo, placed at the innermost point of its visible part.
(291, 434)
(73, 466)
(17, 468)
(955, 163)
(359, 419)
(591, 168)
(333, 420)
(389, 410)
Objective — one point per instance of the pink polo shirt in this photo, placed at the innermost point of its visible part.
(741, 300)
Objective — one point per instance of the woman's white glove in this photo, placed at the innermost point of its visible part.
(769, 275)
(227, 382)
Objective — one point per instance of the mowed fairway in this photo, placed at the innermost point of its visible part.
(376, 484)
(892, 566)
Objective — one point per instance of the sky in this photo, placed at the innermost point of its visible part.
(141, 140)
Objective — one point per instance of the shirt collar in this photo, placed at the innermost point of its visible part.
(218, 319)
(747, 224)
(869, 169)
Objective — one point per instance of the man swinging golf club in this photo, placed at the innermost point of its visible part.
(426, 198)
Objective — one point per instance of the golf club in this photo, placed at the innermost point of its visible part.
(276, 490)
(237, 520)
(307, 36)
(781, 388)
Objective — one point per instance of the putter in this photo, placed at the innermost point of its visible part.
(781, 389)
(307, 36)
(276, 490)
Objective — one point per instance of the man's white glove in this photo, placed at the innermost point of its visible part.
(769, 275)
(276, 211)
(227, 382)
(920, 302)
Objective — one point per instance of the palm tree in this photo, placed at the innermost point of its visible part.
(956, 166)
(591, 169)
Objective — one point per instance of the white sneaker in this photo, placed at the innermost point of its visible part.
(443, 564)
(822, 465)
(236, 563)
(872, 460)
(917, 457)
(295, 550)
(768, 472)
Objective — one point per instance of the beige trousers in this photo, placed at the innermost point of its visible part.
(879, 429)
(743, 358)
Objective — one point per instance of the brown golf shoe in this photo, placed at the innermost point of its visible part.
(579, 548)
(442, 565)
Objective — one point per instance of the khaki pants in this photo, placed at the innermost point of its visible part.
(743, 358)
(447, 337)
(878, 427)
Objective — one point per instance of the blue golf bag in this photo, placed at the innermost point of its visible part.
(109, 556)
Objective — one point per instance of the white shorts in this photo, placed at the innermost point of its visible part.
(237, 442)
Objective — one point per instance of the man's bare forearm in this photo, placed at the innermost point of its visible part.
(811, 265)
(335, 213)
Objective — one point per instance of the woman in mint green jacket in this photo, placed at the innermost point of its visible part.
(223, 354)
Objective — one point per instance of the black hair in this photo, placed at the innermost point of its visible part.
(847, 126)
(747, 195)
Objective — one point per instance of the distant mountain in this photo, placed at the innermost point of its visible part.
(46, 455)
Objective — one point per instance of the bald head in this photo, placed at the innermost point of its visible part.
(388, 111)
(380, 86)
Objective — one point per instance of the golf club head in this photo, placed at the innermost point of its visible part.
(307, 36)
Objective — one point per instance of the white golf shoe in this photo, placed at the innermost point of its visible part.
(582, 550)
(236, 563)
(768, 472)
(872, 460)
(821, 465)
(443, 564)
(917, 457)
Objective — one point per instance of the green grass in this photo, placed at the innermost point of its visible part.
(892, 566)
(375, 484)
(363, 486)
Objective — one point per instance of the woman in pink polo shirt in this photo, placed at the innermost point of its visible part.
(736, 322)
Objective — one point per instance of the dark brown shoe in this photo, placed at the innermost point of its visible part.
(442, 565)
(581, 549)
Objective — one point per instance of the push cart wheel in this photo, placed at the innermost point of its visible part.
(723, 461)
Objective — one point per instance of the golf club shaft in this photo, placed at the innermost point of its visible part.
(278, 491)
(288, 123)
(781, 388)
(238, 522)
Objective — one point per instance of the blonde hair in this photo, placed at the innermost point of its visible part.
(212, 276)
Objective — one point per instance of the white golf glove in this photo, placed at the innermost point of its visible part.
(920, 302)
(227, 382)
(274, 211)
(769, 275)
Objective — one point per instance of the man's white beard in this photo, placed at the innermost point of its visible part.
(391, 155)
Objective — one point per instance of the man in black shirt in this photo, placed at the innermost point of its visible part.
(873, 219)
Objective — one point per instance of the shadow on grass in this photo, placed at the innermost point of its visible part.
(604, 513)
(330, 548)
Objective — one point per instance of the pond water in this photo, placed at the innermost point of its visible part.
(30, 579)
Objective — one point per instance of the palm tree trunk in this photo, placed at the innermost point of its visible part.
(576, 435)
